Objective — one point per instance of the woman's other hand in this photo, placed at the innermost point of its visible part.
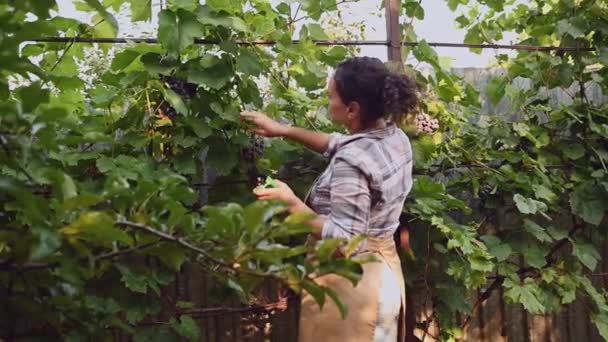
(265, 126)
(282, 192)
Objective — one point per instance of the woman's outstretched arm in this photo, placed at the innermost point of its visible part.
(316, 141)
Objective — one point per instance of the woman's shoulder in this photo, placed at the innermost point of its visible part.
(375, 143)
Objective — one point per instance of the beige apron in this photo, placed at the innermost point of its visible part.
(362, 301)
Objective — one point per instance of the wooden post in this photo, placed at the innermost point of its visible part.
(393, 31)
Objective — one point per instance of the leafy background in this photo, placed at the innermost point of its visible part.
(96, 174)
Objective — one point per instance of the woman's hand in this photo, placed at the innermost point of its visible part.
(282, 192)
(265, 126)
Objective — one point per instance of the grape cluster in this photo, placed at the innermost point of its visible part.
(526, 145)
(485, 191)
(182, 87)
(168, 111)
(250, 155)
(425, 123)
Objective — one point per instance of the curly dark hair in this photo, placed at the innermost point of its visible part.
(379, 92)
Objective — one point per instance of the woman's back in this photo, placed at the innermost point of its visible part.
(377, 165)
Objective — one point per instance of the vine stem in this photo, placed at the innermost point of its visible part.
(32, 266)
(8, 264)
(180, 241)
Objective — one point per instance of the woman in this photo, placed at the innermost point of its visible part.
(362, 191)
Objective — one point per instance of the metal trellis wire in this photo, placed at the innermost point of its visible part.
(387, 43)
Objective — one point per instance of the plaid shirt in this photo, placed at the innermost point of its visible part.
(365, 184)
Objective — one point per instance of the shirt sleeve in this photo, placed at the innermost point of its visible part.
(350, 200)
(333, 144)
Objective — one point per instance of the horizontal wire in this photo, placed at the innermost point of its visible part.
(201, 41)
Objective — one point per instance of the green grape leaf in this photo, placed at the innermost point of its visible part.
(588, 203)
(316, 32)
(501, 251)
(537, 231)
(211, 72)
(141, 10)
(176, 101)
(337, 301)
(46, 242)
(133, 281)
(177, 32)
(526, 294)
(207, 16)
(586, 253)
(186, 327)
(496, 89)
(528, 205)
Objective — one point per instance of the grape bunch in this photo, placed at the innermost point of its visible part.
(250, 155)
(182, 87)
(485, 191)
(167, 110)
(425, 123)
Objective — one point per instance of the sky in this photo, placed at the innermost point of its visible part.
(438, 26)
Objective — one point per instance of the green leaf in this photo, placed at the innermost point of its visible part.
(141, 10)
(537, 231)
(315, 291)
(124, 58)
(188, 5)
(496, 89)
(200, 128)
(326, 249)
(334, 296)
(263, 25)
(534, 255)
(32, 96)
(157, 64)
(108, 19)
(207, 16)
(543, 193)
(211, 72)
(168, 31)
(425, 53)
(68, 188)
(586, 253)
(353, 244)
(176, 101)
(413, 9)
(177, 32)
(501, 251)
(186, 327)
(316, 32)
(557, 233)
(243, 296)
(222, 157)
(575, 27)
(170, 254)
(154, 334)
(528, 205)
(347, 268)
(248, 62)
(133, 281)
(600, 319)
(222, 5)
(588, 203)
(46, 242)
(97, 228)
(526, 294)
